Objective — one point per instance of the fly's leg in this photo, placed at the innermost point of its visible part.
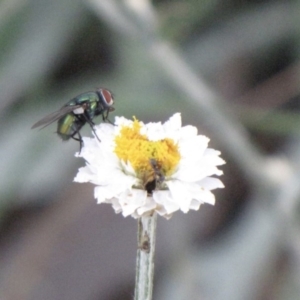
(105, 118)
(79, 139)
(93, 129)
(109, 121)
(92, 124)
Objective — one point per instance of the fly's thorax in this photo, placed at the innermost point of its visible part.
(88, 102)
(94, 108)
(84, 98)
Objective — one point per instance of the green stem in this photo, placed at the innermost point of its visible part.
(145, 258)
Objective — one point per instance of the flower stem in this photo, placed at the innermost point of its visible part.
(145, 257)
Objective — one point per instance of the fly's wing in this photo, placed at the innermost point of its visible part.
(49, 119)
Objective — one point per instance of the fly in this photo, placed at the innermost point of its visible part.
(77, 112)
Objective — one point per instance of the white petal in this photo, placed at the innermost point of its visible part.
(121, 121)
(148, 206)
(194, 172)
(211, 183)
(193, 147)
(165, 201)
(188, 131)
(154, 131)
(84, 175)
(204, 196)
(116, 205)
(174, 123)
(180, 194)
(213, 156)
(195, 205)
(130, 202)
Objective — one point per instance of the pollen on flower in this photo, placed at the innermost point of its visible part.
(136, 148)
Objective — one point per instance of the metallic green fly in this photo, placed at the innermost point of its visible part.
(78, 111)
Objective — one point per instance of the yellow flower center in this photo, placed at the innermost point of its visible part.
(135, 147)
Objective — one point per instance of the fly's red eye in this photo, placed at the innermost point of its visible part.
(107, 96)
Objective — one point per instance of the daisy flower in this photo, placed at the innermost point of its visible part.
(145, 168)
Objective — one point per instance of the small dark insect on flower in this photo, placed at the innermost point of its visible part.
(78, 111)
(155, 179)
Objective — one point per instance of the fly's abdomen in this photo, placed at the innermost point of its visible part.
(66, 126)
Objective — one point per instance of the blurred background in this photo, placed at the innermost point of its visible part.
(230, 67)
